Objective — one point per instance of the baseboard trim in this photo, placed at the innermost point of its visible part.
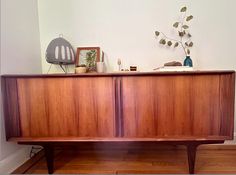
(13, 161)
(231, 142)
(29, 163)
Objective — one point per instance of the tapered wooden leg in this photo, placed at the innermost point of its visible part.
(49, 151)
(191, 150)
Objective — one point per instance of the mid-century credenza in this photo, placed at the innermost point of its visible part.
(186, 108)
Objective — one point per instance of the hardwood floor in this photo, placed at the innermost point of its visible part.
(149, 159)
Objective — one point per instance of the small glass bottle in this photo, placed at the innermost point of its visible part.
(188, 61)
(119, 64)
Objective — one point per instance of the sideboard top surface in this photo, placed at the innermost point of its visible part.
(120, 74)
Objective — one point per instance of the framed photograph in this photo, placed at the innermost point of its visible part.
(88, 56)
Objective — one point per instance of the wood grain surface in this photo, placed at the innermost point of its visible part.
(67, 107)
(138, 106)
(136, 159)
(10, 107)
(177, 105)
(227, 101)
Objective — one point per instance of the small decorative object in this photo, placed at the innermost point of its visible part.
(173, 63)
(174, 68)
(124, 70)
(88, 56)
(80, 69)
(100, 64)
(102, 59)
(133, 68)
(119, 64)
(188, 61)
(60, 52)
(100, 67)
(182, 28)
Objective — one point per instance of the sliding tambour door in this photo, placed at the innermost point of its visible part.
(67, 107)
(177, 106)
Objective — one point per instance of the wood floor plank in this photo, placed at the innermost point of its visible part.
(140, 161)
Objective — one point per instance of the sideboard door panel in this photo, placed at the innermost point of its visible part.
(227, 94)
(171, 106)
(95, 102)
(138, 107)
(33, 107)
(61, 107)
(156, 106)
(205, 103)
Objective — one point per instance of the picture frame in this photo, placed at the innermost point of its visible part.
(88, 56)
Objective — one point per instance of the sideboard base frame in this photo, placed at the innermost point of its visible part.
(191, 150)
(49, 154)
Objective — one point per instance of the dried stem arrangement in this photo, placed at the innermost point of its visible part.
(182, 28)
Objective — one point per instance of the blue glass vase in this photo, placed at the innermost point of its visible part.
(188, 61)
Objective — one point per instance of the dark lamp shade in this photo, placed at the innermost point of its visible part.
(60, 51)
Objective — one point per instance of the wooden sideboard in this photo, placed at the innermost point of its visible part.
(189, 108)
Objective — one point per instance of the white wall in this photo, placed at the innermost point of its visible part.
(20, 53)
(125, 29)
